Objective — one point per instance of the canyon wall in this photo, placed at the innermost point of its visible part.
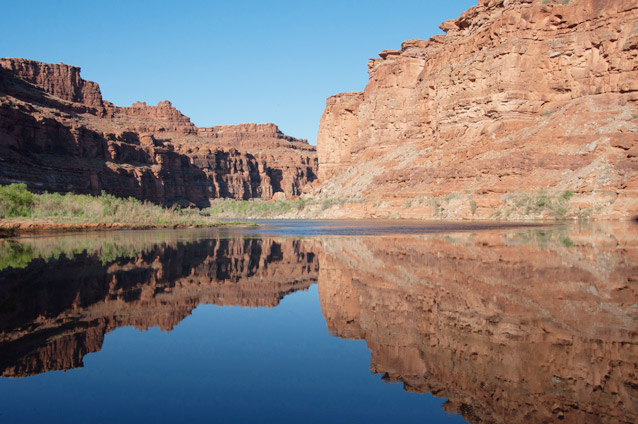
(58, 134)
(511, 326)
(523, 109)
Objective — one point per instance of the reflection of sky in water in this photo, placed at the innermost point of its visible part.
(223, 364)
(305, 228)
(503, 321)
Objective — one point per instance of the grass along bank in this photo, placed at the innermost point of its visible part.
(258, 208)
(21, 210)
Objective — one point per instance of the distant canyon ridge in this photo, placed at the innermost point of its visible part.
(523, 109)
(57, 133)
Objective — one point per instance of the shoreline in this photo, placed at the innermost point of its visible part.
(14, 228)
(21, 227)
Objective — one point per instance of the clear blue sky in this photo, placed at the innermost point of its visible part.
(222, 62)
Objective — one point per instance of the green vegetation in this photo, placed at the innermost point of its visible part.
(326, 204)
(584, 213)
(543, 201)
(438, 203)
(438, 209)
(254, 208)
(566, 241)
(473, 206)
(257, 208)
(16, 202)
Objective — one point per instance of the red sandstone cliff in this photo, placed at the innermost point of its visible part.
(58, 134)
(517, 96)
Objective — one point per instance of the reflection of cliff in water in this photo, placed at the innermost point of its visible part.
(54, 312)
(511, 326)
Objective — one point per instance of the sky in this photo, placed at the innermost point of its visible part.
(222, 62)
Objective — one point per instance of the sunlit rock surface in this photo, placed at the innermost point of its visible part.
(517, 96)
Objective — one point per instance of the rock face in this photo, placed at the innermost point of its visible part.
(63, 314)
(512, 326)
(58, 134)
(518, 96)
(61, 81)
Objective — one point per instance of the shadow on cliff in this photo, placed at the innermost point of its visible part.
(55, 153)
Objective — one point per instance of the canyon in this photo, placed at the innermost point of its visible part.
(58, 134)
(522, 109)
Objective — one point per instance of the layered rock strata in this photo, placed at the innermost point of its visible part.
(58, 134)
(510, 326)
(51, 320)
(517, 97)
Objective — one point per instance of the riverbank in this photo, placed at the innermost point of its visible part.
(14, 227)
(23, 212)
(539, 206)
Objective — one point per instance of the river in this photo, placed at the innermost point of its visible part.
(322, 321)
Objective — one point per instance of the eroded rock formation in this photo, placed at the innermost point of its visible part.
(517, 96)
(58, 134)
(51, 320)
(510, 326)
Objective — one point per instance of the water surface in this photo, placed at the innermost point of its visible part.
(319, 321)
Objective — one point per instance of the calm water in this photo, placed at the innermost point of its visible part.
(321, 321)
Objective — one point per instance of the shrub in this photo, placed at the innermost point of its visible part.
(16, 201)
(473, 206)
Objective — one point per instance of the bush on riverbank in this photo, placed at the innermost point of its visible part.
(17, 202)
(255, 208)
(259, 208)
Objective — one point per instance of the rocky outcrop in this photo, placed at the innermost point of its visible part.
(61, 81)
(58, 134)
(517, 96)
(511, 326)
(142, 118)
(54, 318)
